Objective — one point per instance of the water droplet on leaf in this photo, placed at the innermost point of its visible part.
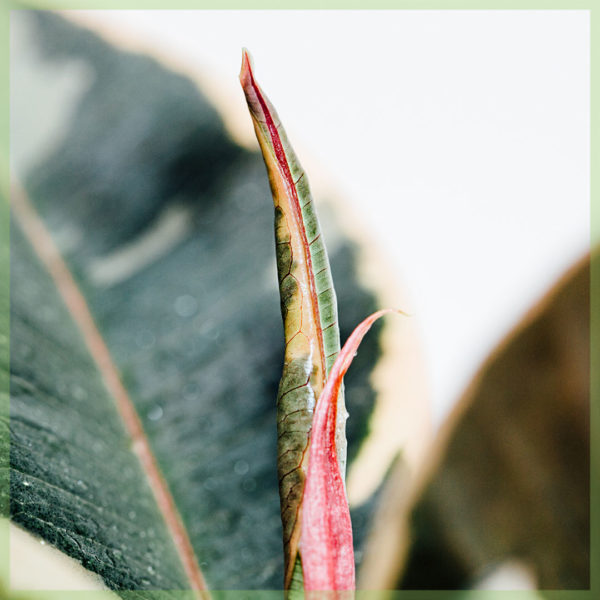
(78, 392)
(145, 339)
(249, 485)
(186, 305)
(241, 467)
(155, 413)
(191, 391)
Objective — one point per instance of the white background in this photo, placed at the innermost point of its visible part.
(459, 138)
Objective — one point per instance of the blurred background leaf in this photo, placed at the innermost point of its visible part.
(506, 492)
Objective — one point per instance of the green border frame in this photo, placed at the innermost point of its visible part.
(593, 6)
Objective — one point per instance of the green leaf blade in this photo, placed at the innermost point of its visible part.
(308, 306)
(51, 410)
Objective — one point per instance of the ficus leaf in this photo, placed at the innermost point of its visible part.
(57, 435)
(308, 307)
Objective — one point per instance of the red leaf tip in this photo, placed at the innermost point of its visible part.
(246, 70)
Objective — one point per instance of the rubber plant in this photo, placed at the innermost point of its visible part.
(311, 414)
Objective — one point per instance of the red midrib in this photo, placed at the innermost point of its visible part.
(287, 176)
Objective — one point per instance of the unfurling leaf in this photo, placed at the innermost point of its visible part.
(309, 310)
(317, 532)
(326, 535)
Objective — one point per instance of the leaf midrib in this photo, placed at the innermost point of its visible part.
(44, 247)
(297, 212)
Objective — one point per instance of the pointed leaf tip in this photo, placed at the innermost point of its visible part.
(326, 540)
(246, 70)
